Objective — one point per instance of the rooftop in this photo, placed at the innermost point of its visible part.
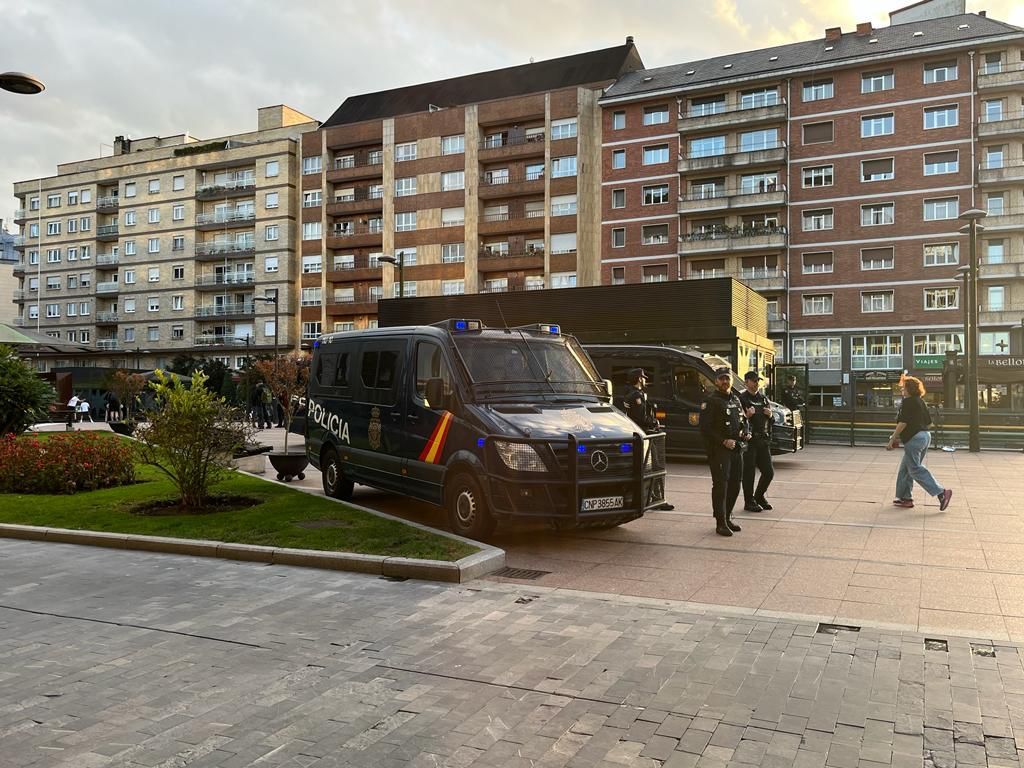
(601, 66)
(812, 54)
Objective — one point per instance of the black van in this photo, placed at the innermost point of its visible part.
(680, 379)
(489, 423)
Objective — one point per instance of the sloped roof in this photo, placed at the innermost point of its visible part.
(811, 53)
(599, 66)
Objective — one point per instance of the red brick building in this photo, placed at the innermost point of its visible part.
(829, 175)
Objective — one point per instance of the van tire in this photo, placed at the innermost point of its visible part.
(335, 484)
(468, 514)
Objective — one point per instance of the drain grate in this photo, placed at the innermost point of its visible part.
(831, 629)
(520, 573)
(936, 645)
(983, 650)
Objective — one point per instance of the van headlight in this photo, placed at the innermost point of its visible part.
(778, 416)
(519, 456)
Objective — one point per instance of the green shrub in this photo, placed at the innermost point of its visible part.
(24, 396)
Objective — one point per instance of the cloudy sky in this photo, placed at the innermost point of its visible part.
(160, 67)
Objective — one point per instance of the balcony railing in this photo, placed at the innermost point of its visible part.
(491, 180)
(19, 240)
(108, 287)
(498, 141)
(243, 184)
(219, 339)
(356, 297)
(721, 193)
(723, 233)
(355, 229)
(107, 203)
(1000, 75)
(19, 321)
(341, 163)
(498, 253)
(227, 278)
(106, 230)
(19, 294)
(19, 267)
(225, 217)
(734, 155)
(226, 310)
(21, 213)
(710, 109)
(108, 344)
(106, 317)
(1004, 218)
(358, 195)
(224, 249)
(106, 258)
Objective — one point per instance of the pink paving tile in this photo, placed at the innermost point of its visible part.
(984, 625)
(884, 614)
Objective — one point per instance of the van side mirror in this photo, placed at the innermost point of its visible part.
(608, 388)
(435, 393)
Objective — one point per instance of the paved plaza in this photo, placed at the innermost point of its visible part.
(117, 658)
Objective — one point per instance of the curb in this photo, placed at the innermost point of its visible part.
(459, 571)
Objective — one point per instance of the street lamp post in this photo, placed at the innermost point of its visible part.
(972, 216)
(271, 300)
(399, 261)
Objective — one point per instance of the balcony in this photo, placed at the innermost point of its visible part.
(777, 324)
(508, 145)
(490, 260)
(733, 239)
(359, 200)
(1007, 172)
(21, 215)
(1007, 124)
(19, 294)
(19, 268)
(107, 203)
(507, 223)
(354, 235)
(492, 186)
(106, 232)
(19, 321)
(1003, 76)
(20, 241)
(362, 166)
(106, 318)
(108, 287)
(770, 279)
(237, 309)
(736, 157)
(726, 199)
(1009, 268)
(218, 280)
(359, 302)
(1000, 314)
(1010, 218)
(731, 115)
(104, 259)
(220, 340)
(227, 188)
(224, 219)
(108, 344)
(213, 251)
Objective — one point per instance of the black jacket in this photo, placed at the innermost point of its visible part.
(760, 425)
(721, 419)
(640, 409)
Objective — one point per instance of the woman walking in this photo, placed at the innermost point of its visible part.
(912, 424)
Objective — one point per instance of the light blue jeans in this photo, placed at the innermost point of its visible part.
(912, 468)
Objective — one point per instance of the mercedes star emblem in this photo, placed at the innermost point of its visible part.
(599, 461)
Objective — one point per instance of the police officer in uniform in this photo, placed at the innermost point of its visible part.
(640, 409)
(724, 428)
(759, 453)
(792, 397)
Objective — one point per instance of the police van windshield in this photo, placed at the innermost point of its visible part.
(526, 363)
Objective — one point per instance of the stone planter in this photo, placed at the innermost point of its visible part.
(289, 465)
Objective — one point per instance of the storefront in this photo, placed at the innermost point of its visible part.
(1000, 383)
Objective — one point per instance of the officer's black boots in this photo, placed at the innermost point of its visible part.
(763, 503)
(730, 524)
(752, 506)
(721, 526)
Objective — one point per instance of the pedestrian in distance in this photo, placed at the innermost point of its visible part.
(641, 410)
(725, 430)
(73, 405)
(85, 410)
(759, 452)
(113, 406)
(912, 422)
(792, 397)
(266, 397)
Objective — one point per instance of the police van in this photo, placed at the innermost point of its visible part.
(679, 380)
(489, 423)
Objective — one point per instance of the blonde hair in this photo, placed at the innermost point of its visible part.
(915, 387)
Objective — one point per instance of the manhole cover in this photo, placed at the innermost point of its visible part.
(936, 645)
(983, 650)
(831, 629)
(520, 573)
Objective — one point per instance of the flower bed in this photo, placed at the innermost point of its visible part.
(64, 463)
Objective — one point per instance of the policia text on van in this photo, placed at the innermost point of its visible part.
(487, 422)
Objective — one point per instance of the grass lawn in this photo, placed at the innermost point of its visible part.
(272, 523)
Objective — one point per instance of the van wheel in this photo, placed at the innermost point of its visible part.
(468, 514)
(336, 485)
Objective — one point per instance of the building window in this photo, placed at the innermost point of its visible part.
(817, 303)
(178, 272)
(822, 353)
(453, 253)
(818, 176)
(129, 276)
(819, 133)
(618, 198)
(939, 209)
(944, 254)
(153, 244)
(453, 180)
(709, 146)
(405, 222)
(818, 263)
(877, 258)
(270, 232)
(405, 187)
(992, 111)
(877, 214)
(873, 82)
(129, 189)
(312, 265)
(757, 141)
(273, 168)
(310, 230)
(655, 234)
(941, 298)
(271, 200)
(53, 228)
(563, 205)
(655, 273)
(937, 343)
(453, 287)
(154, 186)
(818, 218)
(656, 195)
(656, 115)
(876, 301)
(153, 304)
(84, 224)
(154, 274)
(129, 218)
(995, 251)
(563, 279)
(759, 97)
(72, 226)
(869, 352)
(877, 170)
(53, 256)
(153, 333)
(154, 216)
(178, 213)
(618, 275)
(656, 154)
(177, 183)
(453, 145)
(618, 120)
(129, 334)
(53, 310)
(816, 90)
(270, 263)
(53, 283)
(404, 152)
(619, 237)
(564, 129)
(994, 157)
(311, 165)
(995, 204)
(312, 297)
(994, 343)
(936, 163)
(994, 298)
(177, 302)
(877, 125)
(177, 332)
(618, 159)
(53, 201)
(941, 117)
(940, 73)
(563, 166)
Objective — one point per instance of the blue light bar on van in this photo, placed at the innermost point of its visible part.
(464, 325)
(552, 329)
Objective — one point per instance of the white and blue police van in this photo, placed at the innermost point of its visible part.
(490, 423)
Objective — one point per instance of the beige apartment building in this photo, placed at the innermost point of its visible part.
(172, 245)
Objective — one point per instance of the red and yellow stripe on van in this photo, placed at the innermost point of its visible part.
(432, 451)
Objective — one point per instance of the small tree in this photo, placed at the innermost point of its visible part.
(24, 396)
(287, 377)
(191, 436)
(127, 387)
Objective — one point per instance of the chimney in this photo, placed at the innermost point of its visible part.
(122, 146)
(864, 28)
(833, 33)
(983, 14)
(629, 39)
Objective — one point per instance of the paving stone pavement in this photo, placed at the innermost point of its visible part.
(116, 658)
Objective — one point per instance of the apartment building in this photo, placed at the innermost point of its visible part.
(8, 259)
(488, 182)
(170, 246)
(829, 175)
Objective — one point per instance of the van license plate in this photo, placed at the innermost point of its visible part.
(602, 502)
